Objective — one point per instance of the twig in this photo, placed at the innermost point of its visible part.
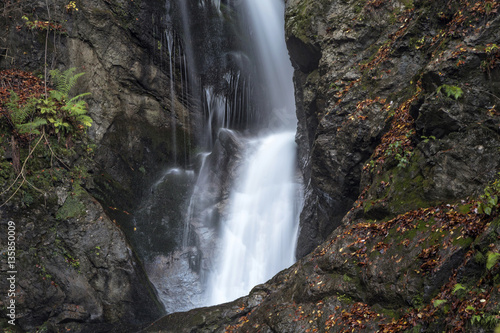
(21, 172)
(13, 194)
(46, 43)
(54, 154)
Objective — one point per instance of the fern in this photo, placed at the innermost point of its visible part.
(31, 127)
(74, 108)
(19, 114)
(84, 120)
(64, 81)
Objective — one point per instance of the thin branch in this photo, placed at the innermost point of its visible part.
(46, 43)
(21, 173)
(13, 194)
(54, 154)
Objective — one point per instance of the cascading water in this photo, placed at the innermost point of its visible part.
(238, 227)
(258, 236)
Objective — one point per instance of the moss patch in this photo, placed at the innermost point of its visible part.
(72, 208)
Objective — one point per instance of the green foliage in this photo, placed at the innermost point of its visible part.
(23, 117)
(57, 112)
(450, 91)
(438, 302)
(418, 301)
(485, 320)
(72, 207)
(491, 48)
(74, 109)
(397, 151)
(426, 139)
(492, 259)
(64, 81)
(489, 200)
(458, 287)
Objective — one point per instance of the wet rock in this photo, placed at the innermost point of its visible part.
(79, 272)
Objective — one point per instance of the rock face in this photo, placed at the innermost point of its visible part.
(382, 66)
(398, 137)
(76, 273)
(76, 269)
(120, 46)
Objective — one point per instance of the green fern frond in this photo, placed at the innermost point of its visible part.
(19, 114)
(57, 95)
(451, 91)
(84, 120)
(64, 81)
(76, 108)
(31, 127)
(78, 97)
(72, 80)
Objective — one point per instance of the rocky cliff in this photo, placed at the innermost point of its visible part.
(75, 269)
(399, 143)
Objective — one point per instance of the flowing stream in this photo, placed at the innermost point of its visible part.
(258, 235)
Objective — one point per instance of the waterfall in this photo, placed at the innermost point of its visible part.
(213, 227)
(258, 238)
(258, 235)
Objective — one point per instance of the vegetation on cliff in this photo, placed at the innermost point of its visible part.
(38, 132)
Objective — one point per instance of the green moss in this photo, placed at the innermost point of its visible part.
(345, 299)
(408, 187)
(418, 301)
(463, 242)
(480, 258)
(464, 209)
(391, 313)
(72, 208)
(346, 278)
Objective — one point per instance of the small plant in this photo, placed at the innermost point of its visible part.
(451, 91)
(492, 259)
(396, 150)
(426, 139)
(438, 302)
(23, 117)
(71, 6)
(485, 320)
(458, 288)
(57, 112)
(489, 200)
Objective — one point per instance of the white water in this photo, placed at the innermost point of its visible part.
(267, 26)
(259, 236)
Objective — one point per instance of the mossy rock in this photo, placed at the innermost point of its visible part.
(72, 208)
(407, 189)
